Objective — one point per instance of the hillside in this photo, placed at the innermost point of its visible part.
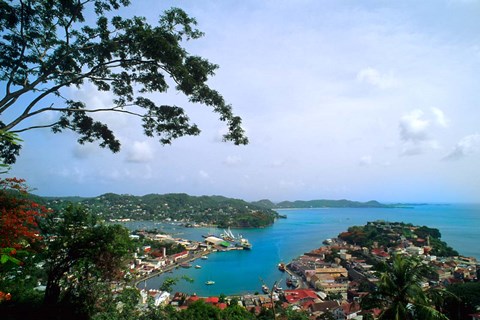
(212, 210)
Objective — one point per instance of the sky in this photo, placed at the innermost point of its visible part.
(354, 100)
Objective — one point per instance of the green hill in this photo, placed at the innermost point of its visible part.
(211, 210)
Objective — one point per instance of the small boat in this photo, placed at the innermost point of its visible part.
(327, 242)
(245, 244)
(204, 258)
(197, 266)
(185, 265)
(209, 282)
(265, 289)
(289, 282)
(281, 266)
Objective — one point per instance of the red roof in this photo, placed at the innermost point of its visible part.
(380, 253)
(180, 254)
(212, 300)
(293, 296)
(193, 298)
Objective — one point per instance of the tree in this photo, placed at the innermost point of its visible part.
(82, 258)
(399, 293)
(200, 310)
(170, 282)
(467, 302)
(18, 220)
(47, 46)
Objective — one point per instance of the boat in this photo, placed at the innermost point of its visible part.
(289, 282)
(277, 289)
(265, 289)
(292, 282)
(185, 265)
(204, 258)
(209, 282)
(227, 235)
(245, 244)
(197, 266)
(281, 266)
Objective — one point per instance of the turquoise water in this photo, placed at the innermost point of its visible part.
(238, 272)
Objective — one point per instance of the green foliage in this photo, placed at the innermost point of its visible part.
(170, 282)
(170, 246)
(236, 312)
(200, 310)
(214, 210)
(82, 258)
(388, 234)
(11, 147)
(292, 314)
(465, 302)
(47, 46)
(399, 293)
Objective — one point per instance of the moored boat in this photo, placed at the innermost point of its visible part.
(265, 289)
(209, 282)
(185, 265)
(197, 266)
(245, 244)
(281, 266)
(289, 282)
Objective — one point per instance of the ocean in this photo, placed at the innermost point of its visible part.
(238, 272)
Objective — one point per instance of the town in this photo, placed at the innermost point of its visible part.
(329, 280)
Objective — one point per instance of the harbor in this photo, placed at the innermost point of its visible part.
(238, 271)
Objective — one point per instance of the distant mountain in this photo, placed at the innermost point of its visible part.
(321, 204)
(265, 203)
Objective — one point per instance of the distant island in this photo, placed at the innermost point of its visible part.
(216, 211)
(321, 204)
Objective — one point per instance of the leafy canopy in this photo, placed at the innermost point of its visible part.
(399, 292)
(47, 46)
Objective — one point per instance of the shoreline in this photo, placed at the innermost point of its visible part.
(170, 267)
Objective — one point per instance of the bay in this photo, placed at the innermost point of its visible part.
(238, 272)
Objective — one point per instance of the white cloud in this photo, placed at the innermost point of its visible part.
(440, 117)
(413, 126)
(377, 79)
(140, 151)
(204, 175)
(277, 163)
(468, 145)
(232, 161)
(365, 161)
(414, 132)
(83, 151)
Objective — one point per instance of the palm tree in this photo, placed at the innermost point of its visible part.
(399, 294)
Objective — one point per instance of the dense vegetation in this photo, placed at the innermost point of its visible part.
(467, 301)
(393, 233)
(212, 210)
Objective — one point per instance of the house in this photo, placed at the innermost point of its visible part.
(180, 255)
(319, 308)
(300, 296)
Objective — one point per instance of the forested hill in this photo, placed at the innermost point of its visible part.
(214, 210)
(321, 204)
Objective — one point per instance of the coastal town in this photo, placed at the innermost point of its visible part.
(330, 280)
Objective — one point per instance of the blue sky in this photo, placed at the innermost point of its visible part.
(340, 99)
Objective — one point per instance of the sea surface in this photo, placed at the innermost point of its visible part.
(244, 271)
